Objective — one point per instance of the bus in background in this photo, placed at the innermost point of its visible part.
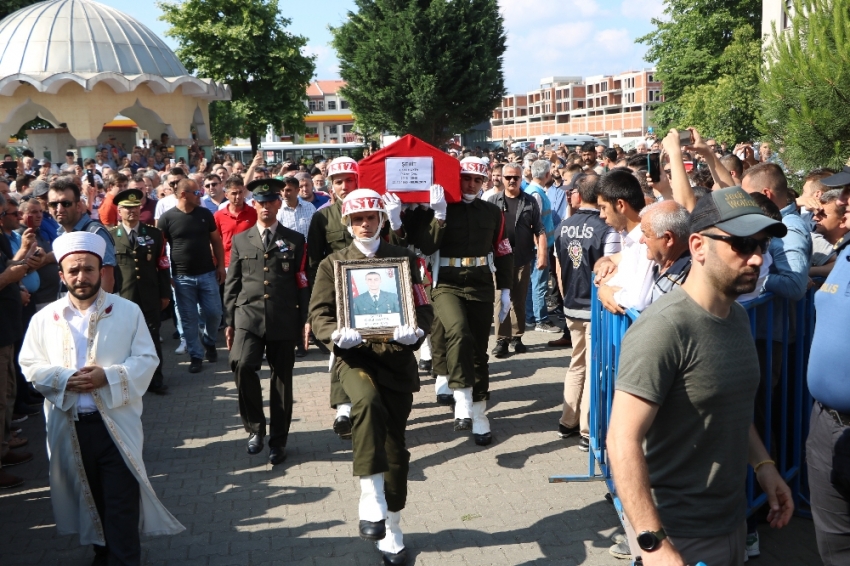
(278, 152)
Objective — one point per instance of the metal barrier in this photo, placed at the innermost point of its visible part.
(786, 407)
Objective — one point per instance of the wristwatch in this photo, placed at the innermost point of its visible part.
(649, 540)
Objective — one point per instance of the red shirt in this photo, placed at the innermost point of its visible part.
(229, 225)
(146, 213)
(108, 212)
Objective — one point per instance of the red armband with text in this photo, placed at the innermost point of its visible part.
(420, 297)
(504, 248)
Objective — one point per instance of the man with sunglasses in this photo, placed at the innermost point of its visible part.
(681, 431)
(175, 175)
(214, 189)
(64, 204)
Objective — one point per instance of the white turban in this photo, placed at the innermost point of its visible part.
(77, 242)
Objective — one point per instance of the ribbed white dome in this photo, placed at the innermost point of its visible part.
(81, 37)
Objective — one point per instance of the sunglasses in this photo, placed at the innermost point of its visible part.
(173, 184)
(198, 193)
(741, 244)
(510, 177)
(211, 185)
(65, 204)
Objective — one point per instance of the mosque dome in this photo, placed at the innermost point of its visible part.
(58, 41)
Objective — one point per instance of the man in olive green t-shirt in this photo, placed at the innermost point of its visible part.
(686, 385)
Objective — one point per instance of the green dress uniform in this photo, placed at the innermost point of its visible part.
(471, 241)
(329, 234)
(266, 298)
(379, 378)
(143, 276)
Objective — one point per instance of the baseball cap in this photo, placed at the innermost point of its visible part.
(39, 188)
(735, 212)
(43, 162)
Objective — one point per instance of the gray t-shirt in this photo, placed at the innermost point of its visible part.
(703, 373)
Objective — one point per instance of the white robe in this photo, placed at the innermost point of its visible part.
(119, 342)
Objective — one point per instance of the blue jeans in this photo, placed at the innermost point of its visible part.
(197, 297)
(535, 302)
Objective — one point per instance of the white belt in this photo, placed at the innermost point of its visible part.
(463, 261)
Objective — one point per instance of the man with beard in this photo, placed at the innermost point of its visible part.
(93, 389)
(681, 431)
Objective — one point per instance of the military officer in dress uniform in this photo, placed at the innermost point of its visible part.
(266, 295)
(143, 273)
(379, 377)
(470, 239)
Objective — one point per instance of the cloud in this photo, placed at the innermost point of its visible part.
(327, 64)
(644, 10)
(614, 41)
(522, 13)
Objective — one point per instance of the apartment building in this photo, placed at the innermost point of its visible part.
(330, 120)
(613, 106)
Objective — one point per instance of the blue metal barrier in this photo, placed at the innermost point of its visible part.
(784, 433)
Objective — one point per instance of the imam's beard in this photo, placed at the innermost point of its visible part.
(85, 291)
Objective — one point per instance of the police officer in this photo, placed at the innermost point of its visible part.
(379, 377)
(266, 296)
(470, 238)
(143, 271)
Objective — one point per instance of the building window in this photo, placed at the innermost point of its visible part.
(331, 105)
(343, 104)
(650, 95)
(649, 79)
(787, 14)
(346, 128)
(312, 106)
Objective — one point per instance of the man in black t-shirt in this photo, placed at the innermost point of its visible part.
(191, 232)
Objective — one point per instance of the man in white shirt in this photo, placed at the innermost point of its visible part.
(93, 390)
(163, 205)
(295, 213)
(630, 287)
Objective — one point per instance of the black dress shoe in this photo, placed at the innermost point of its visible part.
(483, 439)
(196, 365)
(463, 424)
(300, 352)
(445, 399)
(501, 348)
(373, 531)
(159, 389)
(397, 559)
(255, 444)
(425, 365)
(517, 346)
(211, 354)
(277, 454)
(342, 426)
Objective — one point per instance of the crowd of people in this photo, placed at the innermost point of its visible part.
(679, 229)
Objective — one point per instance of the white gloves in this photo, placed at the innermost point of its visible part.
(505, 301)
(393, 205)
(438, 202)
(346, 338)
(407, 335)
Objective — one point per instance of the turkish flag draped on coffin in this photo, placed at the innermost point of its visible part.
(408, 167)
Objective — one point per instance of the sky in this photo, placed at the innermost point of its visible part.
(545, 37)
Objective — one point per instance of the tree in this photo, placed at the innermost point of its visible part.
(244, 44)
(726, 108)
(430, 68)
(806, 88)
(225, 122)
(9, 6)
(688, 45)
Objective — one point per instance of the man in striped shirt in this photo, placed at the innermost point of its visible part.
(295, 213)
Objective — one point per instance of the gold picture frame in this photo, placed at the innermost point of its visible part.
(374, 296)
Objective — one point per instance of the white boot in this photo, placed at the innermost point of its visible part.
(393, 543)
(481, 424)
(441, 385)
(343, 410)
(463, 408)
(373, 502)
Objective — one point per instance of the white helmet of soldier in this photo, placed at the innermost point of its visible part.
(473, 166)
(343, 165)
(363, 200)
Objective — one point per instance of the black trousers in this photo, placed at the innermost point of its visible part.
(116, 493)
(246, 358)
(153, 327)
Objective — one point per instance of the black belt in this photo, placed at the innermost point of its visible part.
(89, 417)
(841, 419)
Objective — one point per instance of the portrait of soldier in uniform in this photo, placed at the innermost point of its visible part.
(377, 305)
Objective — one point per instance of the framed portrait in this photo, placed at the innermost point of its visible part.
(374, 296)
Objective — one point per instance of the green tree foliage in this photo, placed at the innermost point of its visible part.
(9, 6)
(688, 47)
(806, 90)
(430, 68)
(244, 43)
(725, 108)
(225, 122)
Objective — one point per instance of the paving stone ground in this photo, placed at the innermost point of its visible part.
(467, 505)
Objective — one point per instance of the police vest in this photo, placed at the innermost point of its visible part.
(581, 242)
(545, 213)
